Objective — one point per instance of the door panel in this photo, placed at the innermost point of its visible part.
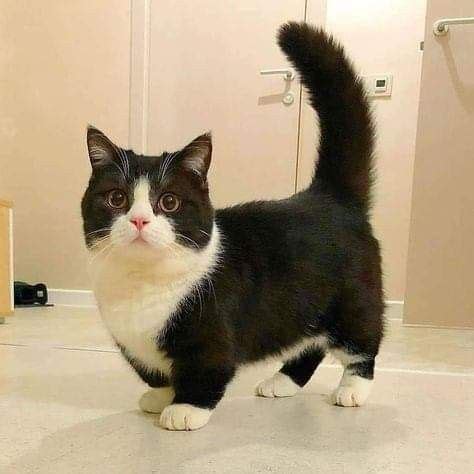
(441, 249)
(204, 75)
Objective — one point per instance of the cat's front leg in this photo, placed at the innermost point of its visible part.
(198, 389)
(160, 393)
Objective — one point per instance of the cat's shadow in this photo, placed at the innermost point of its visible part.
(245, 431)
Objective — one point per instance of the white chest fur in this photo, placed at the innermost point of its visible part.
(137, 298)
(136, 317)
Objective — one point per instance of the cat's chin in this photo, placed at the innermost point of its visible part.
(140, 249)
(140, 241)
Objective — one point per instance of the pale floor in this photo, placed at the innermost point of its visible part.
(68, 403)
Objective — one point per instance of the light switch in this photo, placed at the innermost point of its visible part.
(379, 85)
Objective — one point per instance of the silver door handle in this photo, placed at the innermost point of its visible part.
(288, 73)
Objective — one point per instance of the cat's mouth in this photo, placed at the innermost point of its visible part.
(140, 240)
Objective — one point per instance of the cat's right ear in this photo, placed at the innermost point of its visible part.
(101, 149)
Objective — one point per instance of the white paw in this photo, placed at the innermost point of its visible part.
(182, 416)
(156, 399)
(353, 391)
(279, 385)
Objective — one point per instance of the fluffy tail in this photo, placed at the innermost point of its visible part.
(338, 95)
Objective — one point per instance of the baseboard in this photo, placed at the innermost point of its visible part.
(434, 326)
(85, 298)
(394, 310)
(63, 297)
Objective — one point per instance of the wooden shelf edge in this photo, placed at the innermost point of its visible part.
(5, 203)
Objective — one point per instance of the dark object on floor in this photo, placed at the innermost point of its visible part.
(30, 295)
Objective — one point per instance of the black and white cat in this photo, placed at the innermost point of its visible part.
(190, 294)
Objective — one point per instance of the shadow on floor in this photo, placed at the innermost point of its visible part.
(245, 435)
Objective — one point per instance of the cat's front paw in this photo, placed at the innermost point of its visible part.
(184, 417)
(156, 400)
(279, 385)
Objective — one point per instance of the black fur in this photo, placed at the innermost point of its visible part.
(301, 368)
(193, 223)
(338, 95)
(289, 269)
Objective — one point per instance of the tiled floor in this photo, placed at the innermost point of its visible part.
(68, 404)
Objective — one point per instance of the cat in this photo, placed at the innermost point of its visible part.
(190, 294)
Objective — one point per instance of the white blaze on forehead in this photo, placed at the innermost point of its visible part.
(141, 206)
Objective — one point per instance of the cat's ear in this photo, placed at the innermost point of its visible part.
(101, 149)
(196, 157)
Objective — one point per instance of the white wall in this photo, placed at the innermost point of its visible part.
(383, 36)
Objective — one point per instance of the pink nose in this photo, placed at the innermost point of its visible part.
(139, 222)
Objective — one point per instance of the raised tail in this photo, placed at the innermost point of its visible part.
(337, 94)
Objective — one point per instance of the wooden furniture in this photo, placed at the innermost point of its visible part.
(6, 258)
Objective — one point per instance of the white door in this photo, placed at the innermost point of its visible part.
(204, 74)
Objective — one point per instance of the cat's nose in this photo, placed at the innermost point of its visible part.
(139, 222)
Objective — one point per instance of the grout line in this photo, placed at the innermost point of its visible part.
(433, 326)
(14, 345)
(85, 349)
(409, 371)
(325, 366)
(66, 348)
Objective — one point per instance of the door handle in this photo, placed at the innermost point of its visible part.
(287, 73)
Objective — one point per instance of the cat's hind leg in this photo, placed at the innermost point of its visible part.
(294, 374)
(356, 381)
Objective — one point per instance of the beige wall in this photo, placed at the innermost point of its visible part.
(440, 289)
(62, 65)
(69, 64)
(383, 36)
(213, 55)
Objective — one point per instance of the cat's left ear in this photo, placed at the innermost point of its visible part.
(196, 157)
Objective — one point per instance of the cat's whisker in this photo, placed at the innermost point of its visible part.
(166, 164)
(120, 169)
(188, 239)
(94, 256)
(97, 242)
(211, 286)
(125, 161)
(111, 243)
(104, 229)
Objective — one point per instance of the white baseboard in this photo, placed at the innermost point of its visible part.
(63, 297)
(85, 298)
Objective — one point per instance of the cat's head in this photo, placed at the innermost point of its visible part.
(147, 206)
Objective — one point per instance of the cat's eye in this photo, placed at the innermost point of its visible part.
(117, 199)
(169, 202)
